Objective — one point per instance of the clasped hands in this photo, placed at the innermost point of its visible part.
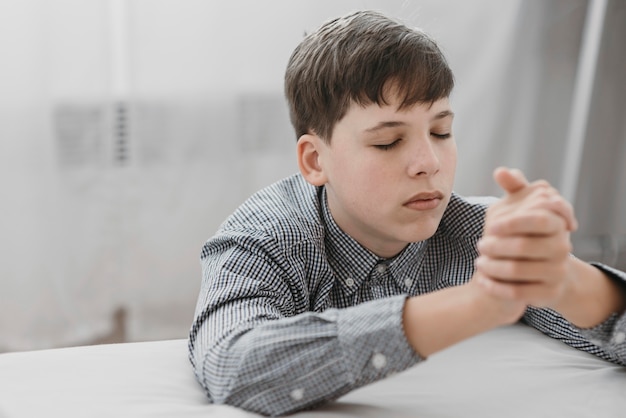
(524, 253)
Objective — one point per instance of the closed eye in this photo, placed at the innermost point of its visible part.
(386, 147)
(440, 136)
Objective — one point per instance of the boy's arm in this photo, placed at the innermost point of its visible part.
(591, 296)
(475, 307)
(256, 345)
(525, 260)
(468, 310)
(437, 320)
(517, 267)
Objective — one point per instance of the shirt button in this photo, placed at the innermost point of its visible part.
(597, 343)
(381, 268)
(408, 283)
(619, 338)
(297, 394)
(379, 361)
(350, 282)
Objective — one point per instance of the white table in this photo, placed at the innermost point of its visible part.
(513, 371)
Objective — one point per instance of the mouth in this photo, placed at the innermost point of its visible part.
(425, 200)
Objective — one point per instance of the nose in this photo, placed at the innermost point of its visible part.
(424, 159)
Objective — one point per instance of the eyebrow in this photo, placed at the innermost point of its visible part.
(443, 114)
(385, 124)
(393, 123)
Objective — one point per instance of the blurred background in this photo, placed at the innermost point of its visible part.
(129, 129)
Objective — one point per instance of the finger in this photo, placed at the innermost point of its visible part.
(540, 222)
(550, 199)
(532, 293)
(542, 184)
(522, 271)
(525, 247)
(510, 180)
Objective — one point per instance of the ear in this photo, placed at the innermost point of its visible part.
(310, 148)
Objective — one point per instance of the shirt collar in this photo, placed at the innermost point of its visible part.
(353, 263)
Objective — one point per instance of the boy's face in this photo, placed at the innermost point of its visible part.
(389, 173)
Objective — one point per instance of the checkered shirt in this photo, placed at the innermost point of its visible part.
(293, 312)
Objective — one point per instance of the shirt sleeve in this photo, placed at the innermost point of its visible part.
(251, 346)
(606, 340)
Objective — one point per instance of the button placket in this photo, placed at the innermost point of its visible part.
(377, 276)
(381, 269)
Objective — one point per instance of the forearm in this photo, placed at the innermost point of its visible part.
(437, 320)
(591, 315)
(591, 296)
(262, 369)
(284, 365)
(526, 254)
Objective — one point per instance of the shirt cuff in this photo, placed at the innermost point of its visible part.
(610, 335)
(372, 340)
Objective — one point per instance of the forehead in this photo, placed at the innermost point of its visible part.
(362, 117)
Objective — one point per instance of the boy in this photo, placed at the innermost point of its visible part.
(366, 262)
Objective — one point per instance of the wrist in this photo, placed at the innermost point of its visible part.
(499, 311)
(440, 319)
(590, 296)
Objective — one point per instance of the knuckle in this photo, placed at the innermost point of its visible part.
(516, 292)
(487, 246)
(559, 245)
(557, 200)
(555, 291)
(512, 269)
(542, 220)
(560, 270)
(542, 192)
(564, 249)
(519, 245)
(511, 223)
(541, 184)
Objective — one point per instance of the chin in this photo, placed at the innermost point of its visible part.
(423, 231)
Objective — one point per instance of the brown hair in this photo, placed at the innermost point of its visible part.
(356, 58)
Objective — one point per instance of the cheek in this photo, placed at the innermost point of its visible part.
(448, 157)
(367, 185)
(378, 191)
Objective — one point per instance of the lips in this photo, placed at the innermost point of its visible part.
(425, 200)
(425, 196)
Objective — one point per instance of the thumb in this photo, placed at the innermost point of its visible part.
(510, 180)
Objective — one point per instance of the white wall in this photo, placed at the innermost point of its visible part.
(83, 233)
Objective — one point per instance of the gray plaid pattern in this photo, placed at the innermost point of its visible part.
(293, 312)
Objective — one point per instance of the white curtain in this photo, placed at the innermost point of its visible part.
(132, 128)
(601, 190)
